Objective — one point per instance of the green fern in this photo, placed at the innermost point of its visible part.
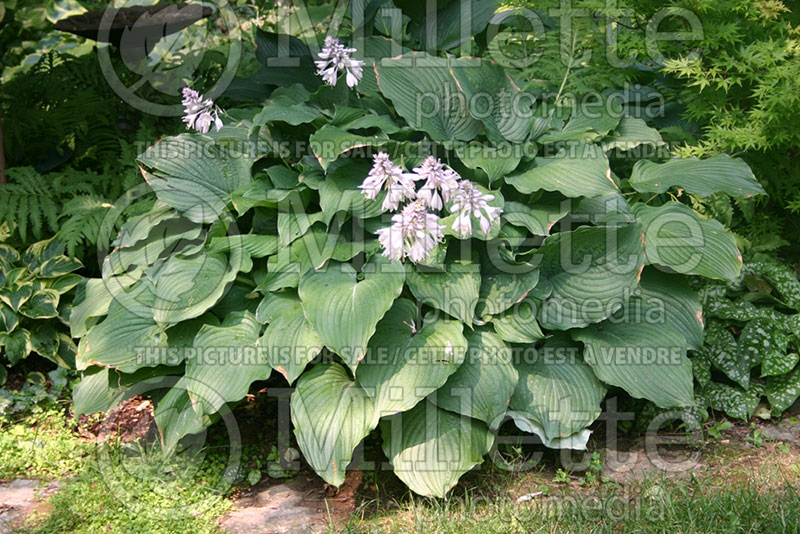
(82, 218)
(28, 200)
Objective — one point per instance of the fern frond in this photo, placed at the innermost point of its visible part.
(81, 219)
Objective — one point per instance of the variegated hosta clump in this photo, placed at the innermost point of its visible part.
(451, 269)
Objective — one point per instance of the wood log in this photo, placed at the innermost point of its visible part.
(110, 25)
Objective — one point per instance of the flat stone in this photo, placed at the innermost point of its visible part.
(18, 499)
(292, 507)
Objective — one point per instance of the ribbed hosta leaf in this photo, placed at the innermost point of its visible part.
(191, 174)
(122, 340)
(331, 415)
(667, 298)
(92, 300)
(538, 218)
(455, 23)
(455, 291)
(582, 171)
(425, 94)
(592, 272)
(187, 287)
(676, 237)
(289, 341)
(343, 311)
(402, 367)
(430, 448)
(576, 441)
(330, 142)
(493, 161)
(703, 177)
(340, 192)
(256, 246)
(632, 132)
(94, 394)
(649, 363)
(494, 99)
(481, 386)
(503, 284)
(558, 392)
(225, 362)
(176, 416)
(519, 324)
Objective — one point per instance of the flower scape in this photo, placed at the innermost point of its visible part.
(415, 230)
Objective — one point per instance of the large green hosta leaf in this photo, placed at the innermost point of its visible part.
(330, 142)
(343, 311)
(494, 99)
(94, 394)
(455, 290)
(558, 392)
(519, 324)
(289, 341)
(194, 176)
(425, 94)
(482, 386)
(592, 272)
(717, 174)
(176, 416)
(128, 338)
(430, 448)
(496, 163)
(537, 218)
(225, 362)
(648, 361)
(187, 287)
(677, 238)
(401, 367)
(667, 298)
(503, 284)
(331, 415)
(582, 171)
(455, 23)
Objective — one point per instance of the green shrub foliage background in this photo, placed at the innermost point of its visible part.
(257, 257)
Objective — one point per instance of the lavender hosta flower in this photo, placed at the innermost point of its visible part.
(414, 233)
(334, 58)
(469, 202)
(384, 173)
(199, 113)
(437, 179)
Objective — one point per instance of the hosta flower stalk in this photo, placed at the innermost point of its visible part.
(199, 113)
(335, 58)
(469, 202)
(414, 233)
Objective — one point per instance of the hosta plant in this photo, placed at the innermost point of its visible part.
(32, 309)
(406, 262)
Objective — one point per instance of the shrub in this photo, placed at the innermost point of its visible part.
(535, 267)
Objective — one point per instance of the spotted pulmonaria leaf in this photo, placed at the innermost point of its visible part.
(734, 401)
(783, 390)
(723, 351)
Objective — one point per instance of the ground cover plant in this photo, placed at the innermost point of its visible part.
(32, 285)
(414, 249)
